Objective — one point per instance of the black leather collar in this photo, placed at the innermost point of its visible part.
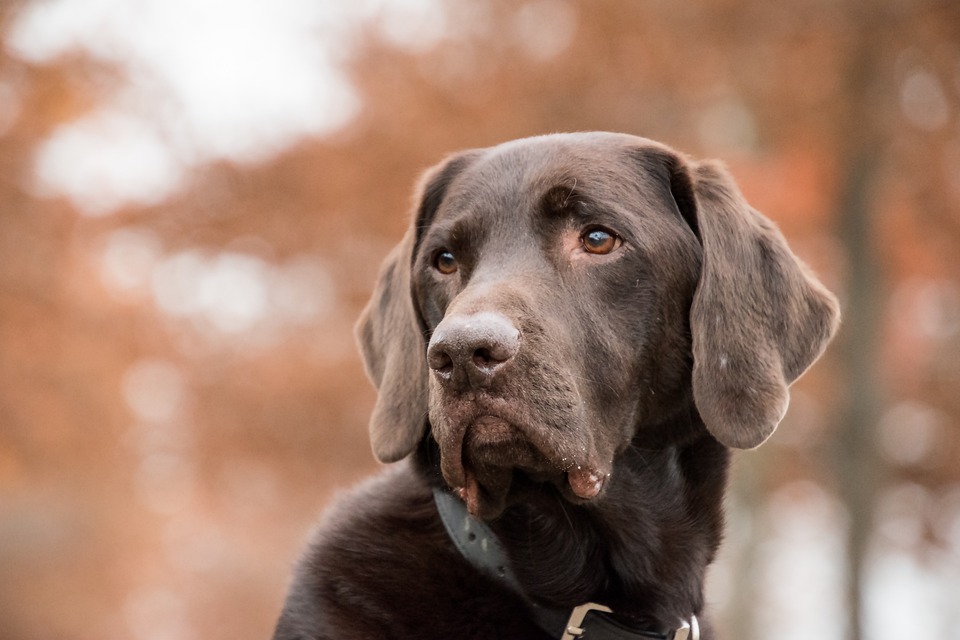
(480, 546)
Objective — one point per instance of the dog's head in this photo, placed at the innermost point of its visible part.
(557, 297)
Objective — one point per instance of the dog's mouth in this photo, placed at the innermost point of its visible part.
(491, 457)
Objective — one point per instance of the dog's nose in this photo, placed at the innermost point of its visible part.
(468, 350)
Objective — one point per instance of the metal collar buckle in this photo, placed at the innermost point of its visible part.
(573, 629)
(688, 630)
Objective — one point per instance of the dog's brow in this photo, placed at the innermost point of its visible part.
(572, 190)
(561, 197)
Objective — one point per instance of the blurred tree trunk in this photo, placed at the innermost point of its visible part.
(856, 464)
(749, 485)
(857, 467)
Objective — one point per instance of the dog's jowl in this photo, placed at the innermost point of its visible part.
(572, 335)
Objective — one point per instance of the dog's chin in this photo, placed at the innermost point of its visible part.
(497, 463)
(492, 453)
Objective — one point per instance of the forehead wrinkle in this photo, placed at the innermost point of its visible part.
(503, 192)
(495, 189)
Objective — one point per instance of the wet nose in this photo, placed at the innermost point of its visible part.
(469, 350)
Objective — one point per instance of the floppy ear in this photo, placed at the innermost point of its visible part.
(391, 333)
(759, 317)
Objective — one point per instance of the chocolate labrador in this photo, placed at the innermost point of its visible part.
(571, 336)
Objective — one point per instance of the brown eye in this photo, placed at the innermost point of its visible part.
(445, 263)
(599, 241)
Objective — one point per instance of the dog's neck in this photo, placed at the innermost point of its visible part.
(642, 549)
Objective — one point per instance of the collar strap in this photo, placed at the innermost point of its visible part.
(479, 545)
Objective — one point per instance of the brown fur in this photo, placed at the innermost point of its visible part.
(583, 404)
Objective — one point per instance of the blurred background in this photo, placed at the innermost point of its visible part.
(195, 196)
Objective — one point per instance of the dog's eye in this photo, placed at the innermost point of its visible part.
(445, 263)
(599, 241)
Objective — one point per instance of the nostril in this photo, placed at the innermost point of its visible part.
(482, 357)
(440, 361)
(490, 357)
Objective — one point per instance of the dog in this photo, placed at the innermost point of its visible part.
(572, 335)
